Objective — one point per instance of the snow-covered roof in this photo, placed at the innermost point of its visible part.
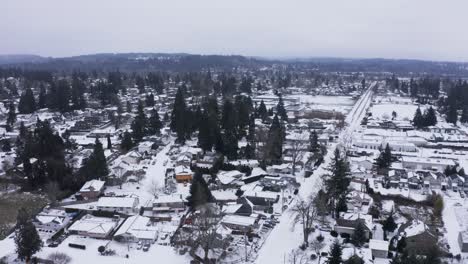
(227, 177)
(238, 220)
(224, 195)
(94, 224)
(445, 162)
(123, 202)
(261, 194)
(139, 227)
(92, 185)
(168, 199)
(378, 244)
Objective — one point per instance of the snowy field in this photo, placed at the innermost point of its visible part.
(341, 104)
(404, 111)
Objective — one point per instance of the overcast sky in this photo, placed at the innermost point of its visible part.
(420, 29)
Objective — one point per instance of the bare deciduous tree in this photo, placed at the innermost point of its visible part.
(297, 256)
(154, 188)
(317, 246)
(59, 258)
(297, 148)
(205, 223)
(306, 213)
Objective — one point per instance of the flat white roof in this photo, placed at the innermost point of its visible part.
(92, 185)
(378, 244)
(126, 202)
(238, 220)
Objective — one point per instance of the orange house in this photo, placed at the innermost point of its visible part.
(183, 174)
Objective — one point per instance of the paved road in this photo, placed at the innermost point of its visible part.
(284, 238)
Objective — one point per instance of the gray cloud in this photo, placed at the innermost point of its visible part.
(423, 29)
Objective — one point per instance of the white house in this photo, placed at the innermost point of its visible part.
(93, 226)
(51, 220)
(379, 248)
(137, 228)
(123, 205)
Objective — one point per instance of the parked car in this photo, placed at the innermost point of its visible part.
(146, 247)
(139, 245)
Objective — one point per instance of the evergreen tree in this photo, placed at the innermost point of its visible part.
(314, 144)
(6, 147)
(337, 183)
(200, 194)
(205, 138)
(246, 85)
(27, 103)
(249, 152)
(154, 123)
(262, 111)
(95, 167)
(150, 100)
(251, 134)
(341, 206)
(77, 92)
(359, 235)
(385, 158)
(42, 102)
(401, 244)
(430, 118)
(109, 143)
(389, 225)
(280, 110)
(139, 124)
(128, 107)
(178, 117)
(59, 96)
(229, 118)
(452, 115)
(27, 239)
(11, 118)
(432, 256)
(418, 120)
(230, 145)
(354, 259)
(274, 144)
(243, 107)
(127, 142)
(140, 83)
(335, 253)
(464, 115)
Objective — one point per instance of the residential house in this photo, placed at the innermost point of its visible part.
(348, 222)
(122, 205)
(456, 182)
(240, 223)
(137, 228)
(183, 174)
(168, 203)
(91, 190)
(463, 241)
(95, 227)
(379, 248)
(51, 220)
(133, 157)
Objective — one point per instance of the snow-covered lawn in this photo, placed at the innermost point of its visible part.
(404, 111)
